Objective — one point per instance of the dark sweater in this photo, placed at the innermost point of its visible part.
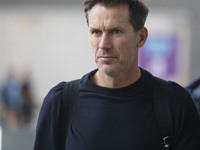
(118, 119)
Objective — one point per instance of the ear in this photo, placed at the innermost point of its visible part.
(142, 36)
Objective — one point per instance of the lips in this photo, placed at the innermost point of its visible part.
(107, 58)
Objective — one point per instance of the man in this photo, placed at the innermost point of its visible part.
(115, 108)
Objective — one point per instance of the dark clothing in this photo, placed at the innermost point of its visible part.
(119, 119)
(194, 89)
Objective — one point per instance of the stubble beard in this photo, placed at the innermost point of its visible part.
(114, 69)
(117, 67)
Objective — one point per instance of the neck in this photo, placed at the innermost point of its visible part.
(122, 80)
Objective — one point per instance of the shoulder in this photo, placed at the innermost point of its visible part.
(52, 101)
(176, 90)
(55, 94)
(57, 89)
(179, 97)
(185, 117)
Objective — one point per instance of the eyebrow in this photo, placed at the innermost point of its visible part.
(109, 29)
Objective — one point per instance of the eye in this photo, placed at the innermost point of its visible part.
(115, 31)
(96, 32)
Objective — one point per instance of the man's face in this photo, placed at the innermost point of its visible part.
(113, 39)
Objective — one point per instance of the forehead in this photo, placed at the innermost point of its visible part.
(109, 15)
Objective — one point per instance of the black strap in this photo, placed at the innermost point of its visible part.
(161, 109)
(70, 94)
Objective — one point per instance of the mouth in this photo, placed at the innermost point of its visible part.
(106, 59)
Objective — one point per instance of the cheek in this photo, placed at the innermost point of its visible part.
(131, 43)
(126, 46)
(92, 42)
(94, 45)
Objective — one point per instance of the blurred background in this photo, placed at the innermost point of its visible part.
(44, 42)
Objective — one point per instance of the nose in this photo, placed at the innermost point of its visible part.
(105, 42)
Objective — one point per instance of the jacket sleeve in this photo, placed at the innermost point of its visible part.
(47, 130)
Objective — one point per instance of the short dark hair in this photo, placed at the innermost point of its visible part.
(138, 11)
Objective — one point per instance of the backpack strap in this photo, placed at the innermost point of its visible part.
(68, 103)
(161, 109)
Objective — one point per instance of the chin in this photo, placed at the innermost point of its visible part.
(110, 72)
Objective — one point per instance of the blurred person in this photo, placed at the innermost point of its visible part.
(12, 101)
(114, 109)
(194, 89)
(28, 101)
(2, 108)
